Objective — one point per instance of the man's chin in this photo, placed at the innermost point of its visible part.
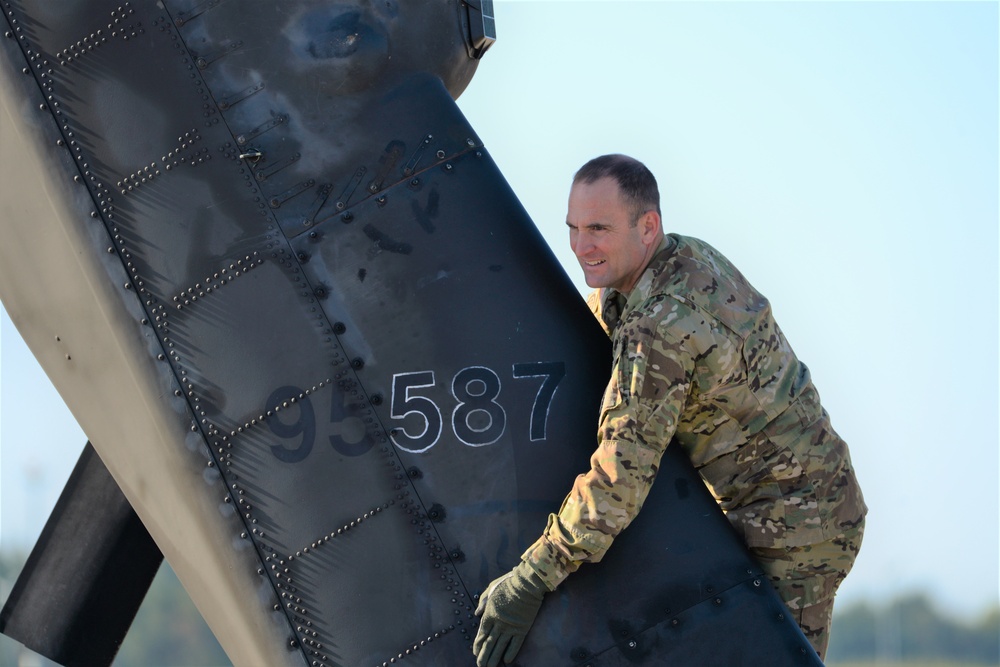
(593, 279)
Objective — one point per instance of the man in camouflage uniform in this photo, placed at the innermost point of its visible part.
(700, 361)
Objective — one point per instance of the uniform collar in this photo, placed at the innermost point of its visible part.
(614, 304)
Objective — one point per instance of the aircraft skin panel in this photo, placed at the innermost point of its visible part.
(320, 345)
(88, 334)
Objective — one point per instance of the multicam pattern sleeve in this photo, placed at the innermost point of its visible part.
(700, 362)
(639, 415)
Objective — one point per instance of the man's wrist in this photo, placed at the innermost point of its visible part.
(547, 563)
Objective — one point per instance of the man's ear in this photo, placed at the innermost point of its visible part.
(650, 225)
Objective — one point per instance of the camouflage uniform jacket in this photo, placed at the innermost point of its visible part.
(698, 359)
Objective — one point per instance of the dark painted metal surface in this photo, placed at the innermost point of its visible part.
(87, 575)
(391, 380)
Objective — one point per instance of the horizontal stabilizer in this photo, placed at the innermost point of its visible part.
(87, 575)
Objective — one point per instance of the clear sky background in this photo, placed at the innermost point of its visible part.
(843, 154)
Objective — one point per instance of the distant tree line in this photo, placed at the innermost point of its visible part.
(911, 628)
(169, 632)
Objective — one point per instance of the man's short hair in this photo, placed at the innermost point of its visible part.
(635, 182)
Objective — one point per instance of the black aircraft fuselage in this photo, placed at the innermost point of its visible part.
(320, 348)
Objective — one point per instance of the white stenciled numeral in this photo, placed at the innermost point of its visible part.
(404, 404)
(477, 419)
(553, 372)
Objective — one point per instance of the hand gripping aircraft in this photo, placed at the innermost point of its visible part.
(328, 367)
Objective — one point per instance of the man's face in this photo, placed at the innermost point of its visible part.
(611, 251)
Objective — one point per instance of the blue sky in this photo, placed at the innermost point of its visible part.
(843, 154)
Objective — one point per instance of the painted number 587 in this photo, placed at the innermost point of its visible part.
(477, 418)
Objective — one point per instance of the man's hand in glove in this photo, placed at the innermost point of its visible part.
(508, 607)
